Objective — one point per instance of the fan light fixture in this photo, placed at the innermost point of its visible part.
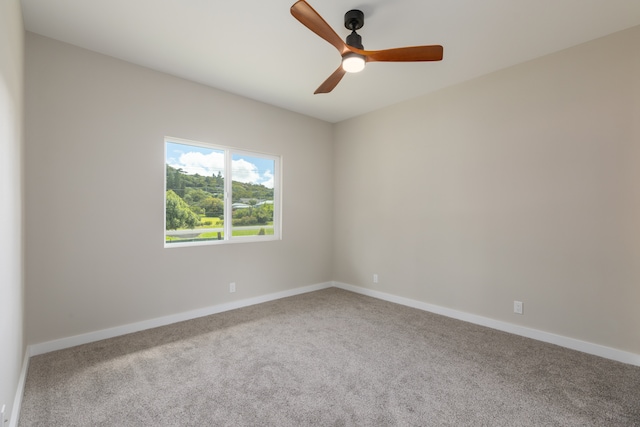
(353, 62)
(354, 57)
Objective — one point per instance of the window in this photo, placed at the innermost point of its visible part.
(216, 194)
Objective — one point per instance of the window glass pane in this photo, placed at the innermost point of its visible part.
(252, 192)
(194, 193)
(214, 194)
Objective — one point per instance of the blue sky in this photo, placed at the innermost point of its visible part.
(207, 161)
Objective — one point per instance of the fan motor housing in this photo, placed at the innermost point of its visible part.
(355, 40)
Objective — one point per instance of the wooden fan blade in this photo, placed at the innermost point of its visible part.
(303, 12)
(405, 54)
(333, 80)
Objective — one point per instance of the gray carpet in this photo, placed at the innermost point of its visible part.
(327, 358)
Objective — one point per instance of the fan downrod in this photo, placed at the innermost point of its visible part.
(354, 20)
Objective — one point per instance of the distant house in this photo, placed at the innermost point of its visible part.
(235, 206)
(243, 205)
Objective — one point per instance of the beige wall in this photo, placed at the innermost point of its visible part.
(11, 200)
(524, 184)
(521, 185)
(95, 188)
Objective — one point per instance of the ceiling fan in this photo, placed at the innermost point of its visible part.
(354, 57)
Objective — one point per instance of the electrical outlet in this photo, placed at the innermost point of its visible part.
(375, 278)
(232, 287)
(517, 307)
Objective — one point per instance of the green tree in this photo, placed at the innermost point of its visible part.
(244, 217)
(195, 196)
(264, 213)
(178, 213)
(239, 191)
(213, 207)
(175, 180)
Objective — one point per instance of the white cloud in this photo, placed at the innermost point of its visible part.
(268, 179)
(243, 171)
(202, 164)
(194, 162)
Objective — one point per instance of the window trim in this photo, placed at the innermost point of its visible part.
(229, 152)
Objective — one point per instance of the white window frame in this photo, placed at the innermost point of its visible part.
(228, 195)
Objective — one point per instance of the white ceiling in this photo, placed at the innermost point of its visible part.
(255, 48)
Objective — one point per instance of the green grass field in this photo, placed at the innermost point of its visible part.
(213, 220)
(267, 231)
(213, 235)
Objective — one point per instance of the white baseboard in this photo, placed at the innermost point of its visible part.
(46, 347)
(574, 344)
(17, 401)
(583, 346)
